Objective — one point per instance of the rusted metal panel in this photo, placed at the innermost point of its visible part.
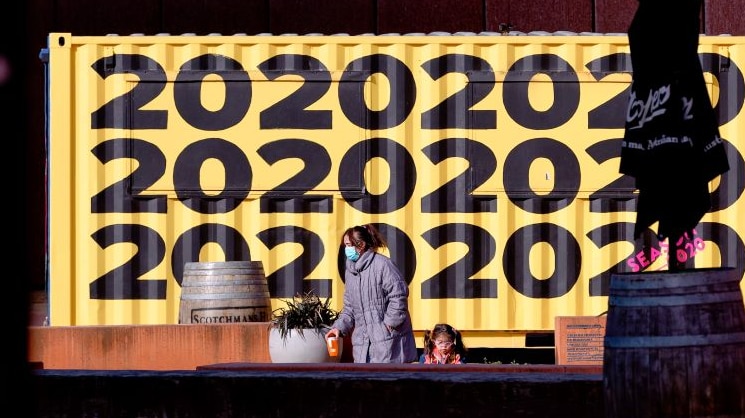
(148, 347)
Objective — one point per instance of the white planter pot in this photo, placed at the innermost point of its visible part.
(310, 347)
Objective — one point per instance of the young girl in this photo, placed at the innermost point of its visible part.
(443, 345)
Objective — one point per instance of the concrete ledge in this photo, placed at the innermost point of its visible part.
(336, 390)
(324, 368)
(191, 370)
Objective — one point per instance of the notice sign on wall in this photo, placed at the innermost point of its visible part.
(579, 340)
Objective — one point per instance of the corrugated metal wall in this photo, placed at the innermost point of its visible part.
(489, 162)
(201, 17)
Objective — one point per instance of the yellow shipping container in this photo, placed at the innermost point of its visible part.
(489, 162)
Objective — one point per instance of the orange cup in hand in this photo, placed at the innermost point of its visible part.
(332, 344)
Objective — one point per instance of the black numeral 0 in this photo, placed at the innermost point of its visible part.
(402, 87)
(731, 85)
(517, 175)
(189, 244)
(730, 244)
(400, 248)
(403, 176)
(291, 112)
(731, 183)
(567, 261)
(566, 91)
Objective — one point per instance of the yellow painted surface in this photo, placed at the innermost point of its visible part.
(481, 158)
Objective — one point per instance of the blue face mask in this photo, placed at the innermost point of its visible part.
(351, 253)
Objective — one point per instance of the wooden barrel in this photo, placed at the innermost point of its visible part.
(674, 345)
(224, 292)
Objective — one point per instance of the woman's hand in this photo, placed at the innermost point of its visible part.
(333, 332)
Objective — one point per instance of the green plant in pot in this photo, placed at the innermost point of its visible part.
(297, 330)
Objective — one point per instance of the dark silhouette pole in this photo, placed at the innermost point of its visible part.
(671, 142)
(16, 389)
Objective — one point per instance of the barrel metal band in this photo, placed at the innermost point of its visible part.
(208, 296)
(674, 341)
(675, 300)
(226, 272)
(679, 280)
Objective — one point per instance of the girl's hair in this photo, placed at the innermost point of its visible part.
(368, 234)
(444, 330)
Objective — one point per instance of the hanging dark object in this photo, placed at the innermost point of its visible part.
(671, 142)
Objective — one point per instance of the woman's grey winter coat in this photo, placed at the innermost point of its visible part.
(376, 295)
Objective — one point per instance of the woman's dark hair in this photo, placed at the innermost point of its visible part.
(444, 329)
(368, 234)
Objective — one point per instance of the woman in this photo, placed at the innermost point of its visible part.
(443, 345)
(376, 307)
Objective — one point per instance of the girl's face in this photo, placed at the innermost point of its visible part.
(444, 343)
